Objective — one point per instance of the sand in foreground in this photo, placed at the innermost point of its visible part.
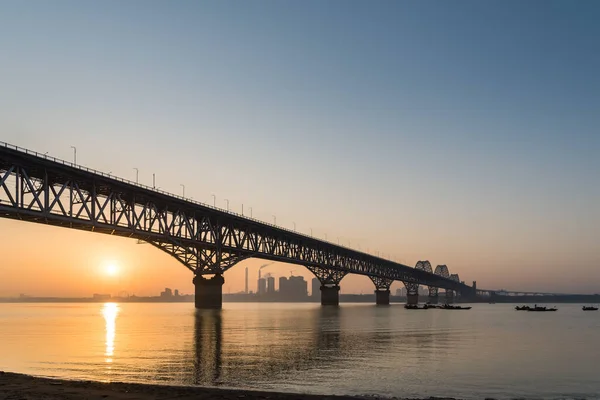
(25, 387)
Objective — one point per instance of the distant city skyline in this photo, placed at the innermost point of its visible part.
(463, 133)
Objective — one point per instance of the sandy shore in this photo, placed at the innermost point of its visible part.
(24, 387)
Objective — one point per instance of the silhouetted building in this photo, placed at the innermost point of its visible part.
(315, 287)
(294, 288)
(297, 286)
(176, 292)
(101, 296)
(270, 284)
(399, 292)
(262, 286)
(283, 288)
(166, 293)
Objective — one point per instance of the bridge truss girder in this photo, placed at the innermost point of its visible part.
(205, 240)
(381, 283)
(327, 276)
(206, 261)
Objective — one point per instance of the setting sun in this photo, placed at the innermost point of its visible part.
(112, 269)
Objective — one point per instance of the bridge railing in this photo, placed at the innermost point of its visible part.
(146, 187)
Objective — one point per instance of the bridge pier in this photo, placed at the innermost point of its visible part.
(382, 297)
(412, 292)
(433, 295)
(330, 295)
(382, 290)
(412, 298)
(433, 299)
(330, 284)
(209, 291)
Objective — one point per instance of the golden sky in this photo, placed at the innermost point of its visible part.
(50, 261)
(478, 151)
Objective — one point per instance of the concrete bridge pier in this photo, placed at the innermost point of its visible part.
(412, 292)
(382, 290)
(330, 284)
(412, 298)
(382, 297)
(330, 295)
(433, 295)
(209, 291)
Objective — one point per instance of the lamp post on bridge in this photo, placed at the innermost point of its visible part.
(137, 175)
(74, 154)
(250, 212)
(274, 220)
(294, 226)
(154, 181)
(227, 204)
(183, 187)
(311, 232)
(214, 201)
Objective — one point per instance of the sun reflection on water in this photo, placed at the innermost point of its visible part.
(110, 311)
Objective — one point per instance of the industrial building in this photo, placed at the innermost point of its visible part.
(270, 284)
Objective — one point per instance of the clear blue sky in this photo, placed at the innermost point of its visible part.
(464, 132)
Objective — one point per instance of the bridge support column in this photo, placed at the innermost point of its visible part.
(433, 295)
(209, 292)
(382, 297)
(412, 299)
(382, 290)
(330, 295)
(412, 292)
(330, 284)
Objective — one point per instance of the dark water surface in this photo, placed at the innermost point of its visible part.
(489, 351)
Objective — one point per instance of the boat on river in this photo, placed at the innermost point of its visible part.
(542, 309)
(590, 308)
(416, 307)
(451, 307)
(522, 308)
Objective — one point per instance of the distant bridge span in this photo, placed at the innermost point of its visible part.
(207, 240)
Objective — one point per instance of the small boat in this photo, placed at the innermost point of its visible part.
(451, 307)
(542, 309)
(416, 307)
(590, 308)
(522, 308)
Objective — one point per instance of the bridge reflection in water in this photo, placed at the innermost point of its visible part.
(227, 351)
(208, 341)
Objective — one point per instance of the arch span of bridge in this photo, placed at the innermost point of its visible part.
(207, 240)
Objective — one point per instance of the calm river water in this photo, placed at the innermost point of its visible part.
(489, 351)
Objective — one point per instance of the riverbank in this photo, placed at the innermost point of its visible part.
(24, 387)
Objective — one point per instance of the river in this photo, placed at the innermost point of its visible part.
(358, 349)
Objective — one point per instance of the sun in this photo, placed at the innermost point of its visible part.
(111, 270)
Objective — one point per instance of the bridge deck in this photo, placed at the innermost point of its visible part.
(206, 239)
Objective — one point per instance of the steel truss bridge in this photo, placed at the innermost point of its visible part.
(207, 240)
